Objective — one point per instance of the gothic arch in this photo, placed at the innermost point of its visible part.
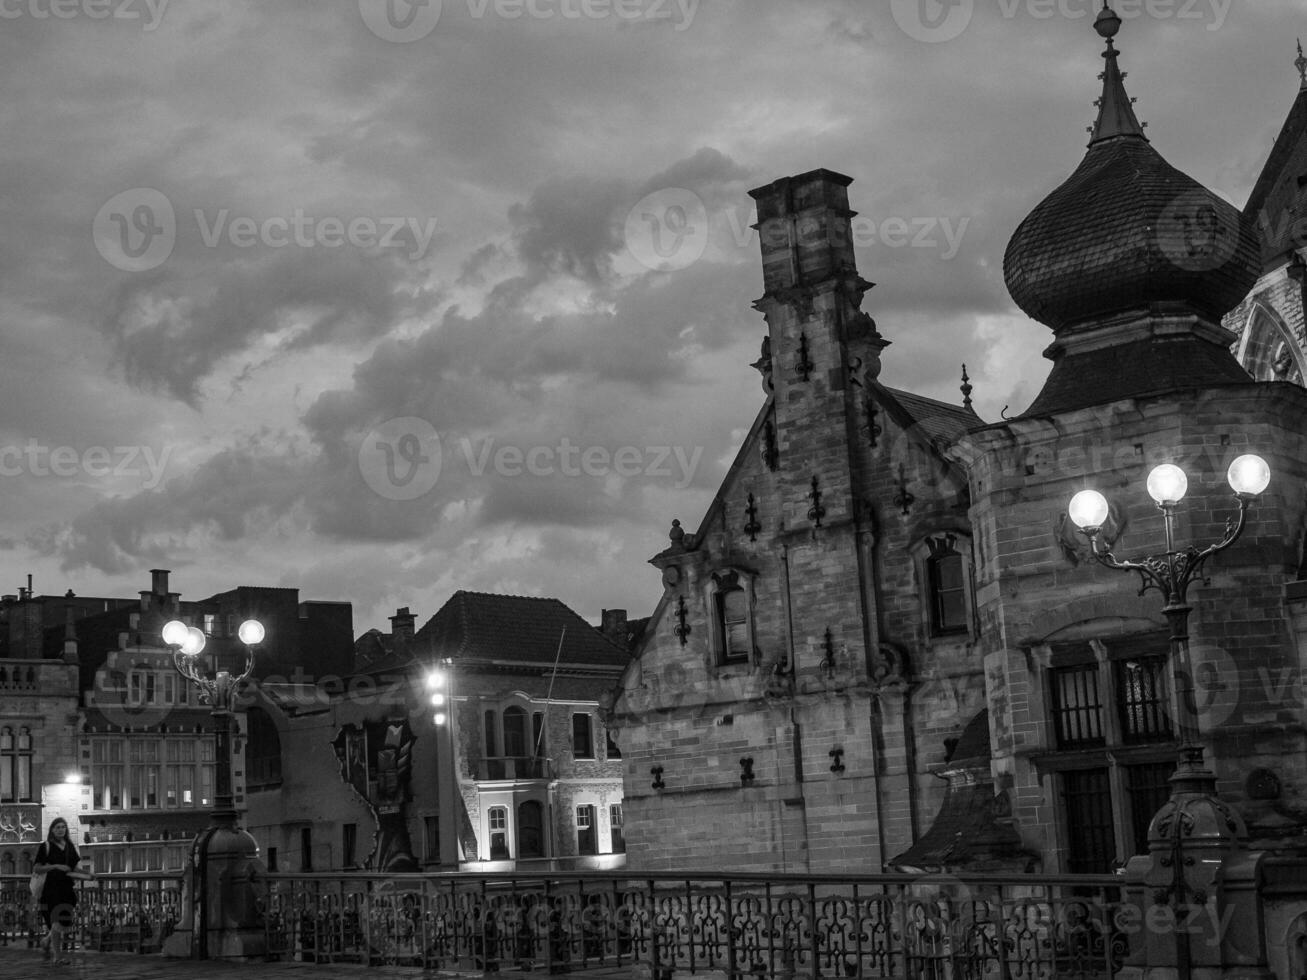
(1267, 348)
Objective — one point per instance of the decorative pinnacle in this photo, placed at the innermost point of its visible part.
(1301, 62)
(1116, 115)
(966, 388)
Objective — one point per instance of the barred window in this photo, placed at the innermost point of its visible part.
(1077, 706)
(1141, 694)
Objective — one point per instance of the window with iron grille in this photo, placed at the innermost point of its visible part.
(1091, 844)
(1077, 706)
(1141, 695)
(1149, 788)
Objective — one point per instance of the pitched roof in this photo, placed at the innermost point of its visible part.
(1276, 201)
(935, 418)
(521, 629)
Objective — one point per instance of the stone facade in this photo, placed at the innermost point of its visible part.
(796, 686)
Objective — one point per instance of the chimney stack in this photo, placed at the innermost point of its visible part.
(613, 625)
(402, 623)
(805, 229)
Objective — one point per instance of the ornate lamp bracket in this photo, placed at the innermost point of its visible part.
(682, 628)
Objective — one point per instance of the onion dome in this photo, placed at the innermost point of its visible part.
(1128, 232)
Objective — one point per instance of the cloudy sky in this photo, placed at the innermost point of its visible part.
(382, 300)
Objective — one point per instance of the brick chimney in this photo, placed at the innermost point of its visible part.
(613, 625)
(403, 623)
(804, 226)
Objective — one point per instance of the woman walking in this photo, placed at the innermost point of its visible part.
(57, 858)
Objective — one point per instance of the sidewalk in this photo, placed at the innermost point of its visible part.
(25, 964)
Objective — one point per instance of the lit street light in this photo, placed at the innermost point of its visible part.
(224, 857)
(1173, 572)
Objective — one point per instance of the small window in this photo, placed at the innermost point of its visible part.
(1149, 787)
(733, 625)
(1141, 693)
(498, 817)
(1077, 706)
(585, 830)
(611, 747)
(431, 827)
(514, 732)
(306, 848)
(491, 741)
(615, 828)
(538, 747)
(272, 860)
(1090, 827)
(349, 844)
(582, 741)
(947, 574)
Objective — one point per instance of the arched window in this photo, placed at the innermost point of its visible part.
(515, 732)
(730, 603)
(262, 752)
(1267, 349)
(947, 574)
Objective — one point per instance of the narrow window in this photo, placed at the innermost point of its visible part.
(1141, 694)
(947, 576)
(498, 817)
(349, 843)
(585, 830)
(1077, 707)
(733, 625)
(431, 825)
(614, 751)
(582, 741)
(491, 741)
(1149, 787)
(515, 732)
(615, 828)
(306, 848)
(1090, 827)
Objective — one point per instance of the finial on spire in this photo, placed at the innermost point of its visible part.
(1116, 115)
(1301, 62)
(966, 388)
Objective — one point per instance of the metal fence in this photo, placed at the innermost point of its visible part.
(744, 926)
(130, 913)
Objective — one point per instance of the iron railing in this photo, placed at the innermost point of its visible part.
(746, 925)
(130, 913)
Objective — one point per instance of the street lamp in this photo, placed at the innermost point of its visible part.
(222, 912)
(1195, 831)
(440, 685)
(1172, 573)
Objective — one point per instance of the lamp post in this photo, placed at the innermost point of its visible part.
(440, 683)
(1172, 572)
(222, 918)
(1197, 842)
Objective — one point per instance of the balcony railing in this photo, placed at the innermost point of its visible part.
(130, 913)
(747, 925)
(515, 767)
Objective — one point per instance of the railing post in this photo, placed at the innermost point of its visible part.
(812, 930)
(732, 972)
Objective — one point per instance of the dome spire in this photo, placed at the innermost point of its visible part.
(1116, 114)
(1301, 62)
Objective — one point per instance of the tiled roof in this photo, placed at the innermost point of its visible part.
(477, 625)
(1128, 231)
(1143, 367)
(1276, 202)
(936, 418)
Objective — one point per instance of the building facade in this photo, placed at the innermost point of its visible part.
(361, 776)
(102, 730)
(885, 645)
